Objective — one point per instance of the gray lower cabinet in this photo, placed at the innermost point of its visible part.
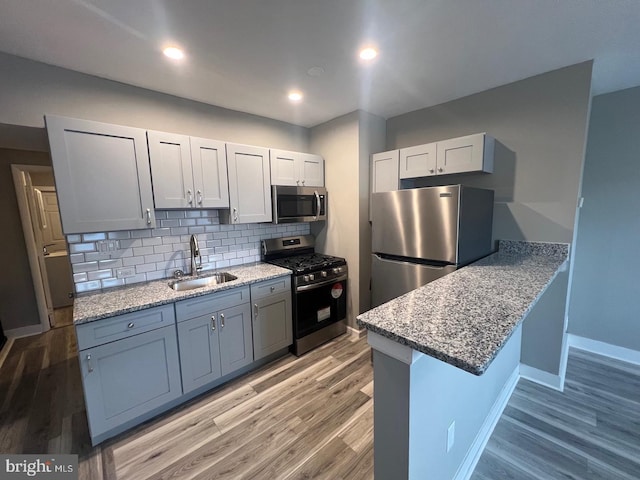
(127, 378)
(272, 322)
(102, 175)
(214, 334)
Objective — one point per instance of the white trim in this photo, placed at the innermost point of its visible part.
(392, 348)
(475, 451)
(354, 332)
(24, 331)
(540, 376)
(606, 349)
(30, 241)
(5, 350)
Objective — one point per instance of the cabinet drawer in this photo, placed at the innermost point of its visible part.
(270, 287)
(115, 328)
(196, 307)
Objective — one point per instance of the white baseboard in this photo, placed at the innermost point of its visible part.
(540, 376)
(475, 451)
(606, 349)
(24, 331)
(354, 332)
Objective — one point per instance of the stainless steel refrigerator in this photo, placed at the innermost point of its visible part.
(422, 234)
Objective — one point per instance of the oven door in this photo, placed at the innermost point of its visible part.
(319, 305)
(299, 204)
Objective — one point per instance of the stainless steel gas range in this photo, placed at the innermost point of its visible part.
(319, 289)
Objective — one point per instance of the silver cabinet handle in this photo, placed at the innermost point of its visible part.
(89, 367)
(235, 214)
(272, 288)
(213, 323)
(317, 205)
(298, 182)
(440, 170)
(431, 170)
(189, 197)
(255, 311)
(148, 216)
(199, 193)
(222, 320)
(302, 182)
(131, 325)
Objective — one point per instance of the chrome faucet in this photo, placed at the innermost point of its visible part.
(195, 252)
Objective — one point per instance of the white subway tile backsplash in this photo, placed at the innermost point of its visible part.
(158, 252)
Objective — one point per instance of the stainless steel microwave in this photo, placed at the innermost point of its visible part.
(299, 204)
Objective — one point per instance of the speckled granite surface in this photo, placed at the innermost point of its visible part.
(466, 317)
(116, 301)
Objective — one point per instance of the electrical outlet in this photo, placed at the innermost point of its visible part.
(125, 272)
(105, 246)
(451, 435)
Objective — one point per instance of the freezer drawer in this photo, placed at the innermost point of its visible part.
(392, 278)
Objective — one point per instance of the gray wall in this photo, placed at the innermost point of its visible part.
(18, 307)
(31, 89)
(542, 123)
(605, 294)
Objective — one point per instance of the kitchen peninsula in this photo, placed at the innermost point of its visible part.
(447, 354)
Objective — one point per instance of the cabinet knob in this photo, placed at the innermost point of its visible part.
(272, 288)
(189, 197)
(303, 182)
(199, 193)
(131, 325)
(432, 170)
(440, 170)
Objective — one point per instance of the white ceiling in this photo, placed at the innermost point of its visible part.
(246, 54)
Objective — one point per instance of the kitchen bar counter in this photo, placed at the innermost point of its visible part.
(117, 301)
(466, 317)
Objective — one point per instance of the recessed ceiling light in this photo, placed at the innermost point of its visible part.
(368, 53)
(315, 71)
(295, 96)
(173, 52)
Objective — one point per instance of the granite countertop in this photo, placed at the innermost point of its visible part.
(116, 301)
(466, 317)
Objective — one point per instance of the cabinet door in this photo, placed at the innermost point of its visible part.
(272, 324)
(210, 180)
(102, 175)
(127, 378)
(236, 344)
(199, 351)
(171, 170)
(249, 184)
(385, 171)
(311, 170)
(284, 168)
(418, 161)
(465, 154)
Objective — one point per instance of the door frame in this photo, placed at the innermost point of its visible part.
(40, 284)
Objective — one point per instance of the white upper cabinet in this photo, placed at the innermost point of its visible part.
(102, 175)
(188, 172)
(249, 185)
(385, 171)
(473, 153)
(296, 169)
(418, 161)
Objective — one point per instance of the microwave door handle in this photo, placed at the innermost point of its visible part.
(315, 217)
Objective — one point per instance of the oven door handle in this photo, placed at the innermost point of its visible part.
(321, 284)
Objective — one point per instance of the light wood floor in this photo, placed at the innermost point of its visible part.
(589, 431)
(310, 417)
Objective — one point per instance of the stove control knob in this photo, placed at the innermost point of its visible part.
(337, 270)
(323, 274)
(312, 276)
(305, 278)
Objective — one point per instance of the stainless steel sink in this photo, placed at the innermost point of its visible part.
(199, 282)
